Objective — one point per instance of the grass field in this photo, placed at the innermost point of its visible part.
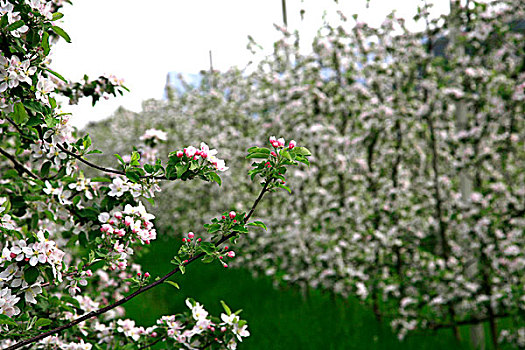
(276, 319)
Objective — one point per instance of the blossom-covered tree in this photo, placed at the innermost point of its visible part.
(68, 240)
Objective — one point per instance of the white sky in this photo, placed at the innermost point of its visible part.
(140, 41)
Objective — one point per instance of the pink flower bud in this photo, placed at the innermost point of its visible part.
(128, 221)
(180, 154)
(139, 274)
(89, 273)
(154, 334)
(273, 153)
(185, 261)
(221, 257)
(191, 235)
(12, 255)
(223, 217)
(232, 214)
(184, 240)
(231, 254)
(280, 142)
(225, 265)
(199, 240)
(292, 144)
(146, 274)
(226, 248)
(234, 221)
(118, 215)
(223, 329)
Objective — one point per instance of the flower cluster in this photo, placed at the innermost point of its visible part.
(21, 263)
(120, 185)
(122, 229)
(204, 153)
(202, 329)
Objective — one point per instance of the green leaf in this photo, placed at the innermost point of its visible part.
(181, 169)
(173, 284)
(120, 159)
(257, 155)
(258, 224)
(62, 33)
(214, 228)
(19, 113)
(4, 319)
(71, 300)
(286, 154)
(284, 187)
(302, 151)
(31, 274)
(57, 75)
(259, 150)
(135, 156)
(208, 259)
(100, 179)
(226, 308)
(87, 142)
(239, 228)
(182, 269)
(133, 175)
(15, 25)
(33, 121)
(57, 16)
(208, 247)
(42, 322)
(45, 43)
(44, 170)
(215, 178)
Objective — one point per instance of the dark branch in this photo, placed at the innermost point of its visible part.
(139, 291)
(18, 166)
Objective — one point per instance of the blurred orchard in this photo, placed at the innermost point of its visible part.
(413, 201)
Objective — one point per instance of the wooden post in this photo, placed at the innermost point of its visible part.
(285, 20)
(211, 71)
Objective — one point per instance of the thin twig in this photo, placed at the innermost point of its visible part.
(153, 343)
(87, 162)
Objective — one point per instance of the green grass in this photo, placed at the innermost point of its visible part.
(277, 319)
